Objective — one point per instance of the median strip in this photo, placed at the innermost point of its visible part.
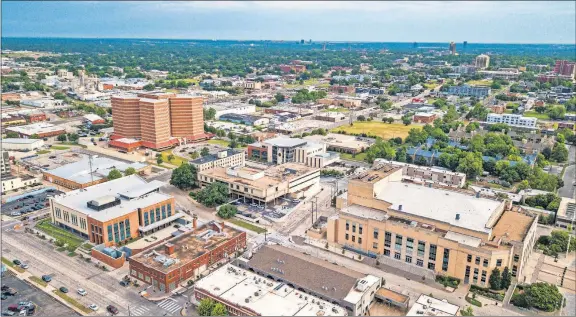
(12, 265)
(72, 302)
(38, 281)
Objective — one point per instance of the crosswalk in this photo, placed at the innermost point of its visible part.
(170, 305)
(139, 311)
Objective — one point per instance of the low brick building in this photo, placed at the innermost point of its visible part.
(35, 117)
(424, 117)
(187, 255)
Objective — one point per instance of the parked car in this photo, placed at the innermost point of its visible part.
(112, 309)
(15, 214)
(124, 283)
(46, 278)
(17, 262)
(4, 296)
(5, 287)
(24, 266)
(82, 292)
(23, 312)
(63, 289)
(8, 313)
(13, 308)
(10, 292)
(94, 307)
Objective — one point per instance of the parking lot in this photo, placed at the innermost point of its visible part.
(184, 150)
(29, 204)
(45, 305)
(273, 212)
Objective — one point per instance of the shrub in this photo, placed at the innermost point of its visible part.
(473, 301)
(486, 292)
(448, 281)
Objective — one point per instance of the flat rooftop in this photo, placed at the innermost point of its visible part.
(285, 142)
(341, 140)
(443, 205)
(264, 296)
(379, 162)
(430, 306)
(80, 172)
(228, 105)
(567, 208)
(121, 188)
(187, 247)
(314, 274)
(36, 128)
(377, 174)
(20, 141)
(512, 224)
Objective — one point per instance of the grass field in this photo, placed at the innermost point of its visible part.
(430, 85)
(534, 114)
(42, 152)
(336, 110)
(223, 143)
(12, 265)
(38, 281)
(308, 82)
(359, 157)
(177, 160)
(482, 82)
(383, 130)
(59, 147)
(60, 234)
(247, 225)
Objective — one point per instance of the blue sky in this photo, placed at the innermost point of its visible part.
(479, 22)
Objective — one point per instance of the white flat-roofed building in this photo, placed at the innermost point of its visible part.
(41, 129)
(426, 174)
(430, 306)
(245, 293)
(224, 158)
(512, 120)
(231, 107)
(15, 144)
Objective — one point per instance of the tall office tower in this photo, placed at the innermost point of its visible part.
(452, 48)
(186, 116)
(565, 68)
(126, 116)
(482, 61)
(155, 122)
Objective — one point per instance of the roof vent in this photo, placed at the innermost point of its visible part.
(457, 216)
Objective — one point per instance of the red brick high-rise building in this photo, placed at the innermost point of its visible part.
(565, 68)
(156, 120)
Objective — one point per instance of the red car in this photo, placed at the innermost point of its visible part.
(112, 309)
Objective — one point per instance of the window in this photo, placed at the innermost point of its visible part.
(152, 216)
(477, 260)
(375, 233)
(359, 239)
(127, 225)
(483, 279)
(431, 266)
(360, 229)
(445, 260)
(169, 207)
(419, 262)
(353, 227)
(387, 239)
(408, 259)
(157, 214)
(347, 225)
(346, 236)
(421, 248)
(110, 233)
(469, 258)
(397, 255)
(398, 245)
(116, 235)
(499, 262)
(386, 252)
(485, 263)
(514, 270)
(163, 212)
(432, 254)
(374, 245)
(146, 222)
(122, 232)
(516, 257)
(409, 245)
(475, 279)
(353, 239)
(467, 274)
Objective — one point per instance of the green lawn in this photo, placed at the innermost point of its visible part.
(59, 147)
(60, 234)
(378, 128)
(359, 157)
(73, 302)
(223, 143)
(336, 110)
(482, 82)
(177, 160)
(12, 265)
(430, 85)
(534, 114)
(42, 152)
(38, 281)
(247, 225)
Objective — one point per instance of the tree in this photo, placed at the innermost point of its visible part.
(212, 195)
(472, 126)
(34, 136)
(233, 144)
(380, 149)
(279, 97)
(407, 119)
(506, 278)
(227, 211)
(59, 95)
(62, 138)
(185, 176)
(12, 134)
(194, 155)
(205, 151)
(129, 171)
(114, 174)
(219, 310)
(556, 112)
(73, 137)
(559, 153)
(205, 307)
(544, 296)
(495, 279)
(159, 160)
(361, 118)
(471, 164)
(149, 87)
(170, 157)
(210, 114)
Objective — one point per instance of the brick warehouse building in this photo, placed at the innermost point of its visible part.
(186, 255)
(157, 120)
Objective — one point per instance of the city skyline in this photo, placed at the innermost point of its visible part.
(431, 22)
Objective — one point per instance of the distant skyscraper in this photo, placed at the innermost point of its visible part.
(302, 41)
(465, 44)
(565, 68)
(452, 48)
(482, 61)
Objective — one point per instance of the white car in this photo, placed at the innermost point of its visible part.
(94, 307)
(82, 292)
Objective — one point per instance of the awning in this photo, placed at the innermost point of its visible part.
(161, 222)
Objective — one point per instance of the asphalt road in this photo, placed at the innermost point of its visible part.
(569, 175)
(45, 304)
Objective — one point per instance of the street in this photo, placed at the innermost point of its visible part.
(569, 175)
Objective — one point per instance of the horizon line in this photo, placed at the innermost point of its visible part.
(268, 40)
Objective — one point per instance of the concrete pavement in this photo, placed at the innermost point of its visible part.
(568, 190)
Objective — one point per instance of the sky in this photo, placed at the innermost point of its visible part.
(402, 21)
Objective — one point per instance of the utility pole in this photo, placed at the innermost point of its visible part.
(91, 171)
